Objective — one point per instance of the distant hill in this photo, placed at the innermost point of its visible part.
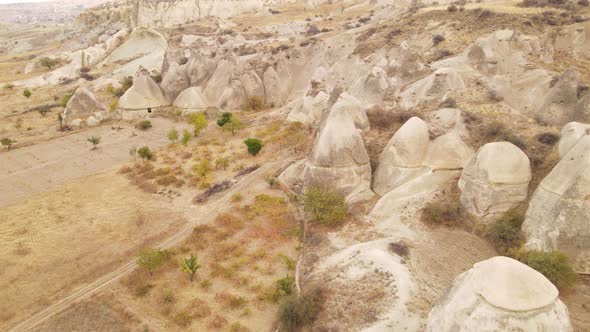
(50, 11)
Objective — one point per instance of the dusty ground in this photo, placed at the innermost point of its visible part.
(54, 242)
(69, 157)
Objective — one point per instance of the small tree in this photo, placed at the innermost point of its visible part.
(95, 140)
(7, 142)
(145, 153)
(286, 284)
(190, 266)
(254, 145)
(151, 259)
(48, 62)
(233, 125)
(199, 122)
(173, 135)
(225, 117)
(186, 136)
(60, 119)
(203, 168)
(27, 93)
(324, 205)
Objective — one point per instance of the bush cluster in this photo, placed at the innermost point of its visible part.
(554, 265)
(324, 205)
(300, 311)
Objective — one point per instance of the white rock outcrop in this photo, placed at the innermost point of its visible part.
(500, 294)
(191, 99)
(339, 157)
(558, 216)
(144, 94)
(495, 180)
(81, 105)
(410, 153)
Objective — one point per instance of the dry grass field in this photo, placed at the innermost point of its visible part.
(55, 242)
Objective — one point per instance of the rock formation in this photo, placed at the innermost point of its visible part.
(191, 99)
(500, 294)
(339, 157)
(495, 180)
(558, 216)
(144, 94)
(81, 105)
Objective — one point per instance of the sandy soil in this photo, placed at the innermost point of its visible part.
(66, 158)
(55, 242)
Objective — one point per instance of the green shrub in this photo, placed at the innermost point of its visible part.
(27, 93)
(233, 125)
(297, 312)
(94, 140)
(553, 265)
(144, 125)
(7, 142)
(237, 327)
(324, 205)
(505, 233)
(65, 99)
(225, 117)
(254, 145)
(8, 86)
(145, 153)
(286, 284)
(253, 103)
(183, 319)
(113, 104)
(173, 135)
(186, 136)
(203, 168)
(49, 62)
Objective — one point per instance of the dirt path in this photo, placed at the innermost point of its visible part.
(200, 214)
(66, 158)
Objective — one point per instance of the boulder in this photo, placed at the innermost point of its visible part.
(558, 216)
(495, 180)
(192, 99)
(500, 294)
(309, 109)
(143, 94)
(83, 102)
(435, 87)
(76, 123)
(339, 157)
(349, 104)
(92, 121)
(371, 88)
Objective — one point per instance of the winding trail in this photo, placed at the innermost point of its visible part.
(205, 213)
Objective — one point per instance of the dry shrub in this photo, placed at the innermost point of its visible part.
(198, 309)
(125, 169)
(229, 222)
(554, 265)
(297, 312)
(183, 319)
(400, 248)
(217, 322)
(505, 233)
(381, 119)
(548, 138)
(212, 190)
(247, 170)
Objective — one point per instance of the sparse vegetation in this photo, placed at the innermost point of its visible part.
(152, 259)
(437, 39)
(144, 125)
(7, 142)
(554, 265)
(548, 138)
(505, 233)
(65, 99)
(8, 86)
(286, 284)
(27, 93)
(253, 103)
(324, 205)
(95, 140)
(190, 266)
(445, 212)
(113, 104)
(145, 153)
(254, 146)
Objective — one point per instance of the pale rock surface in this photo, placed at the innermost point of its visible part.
(570, 135)
(233, 96)
(272, 93)
(92, 121)
(144, 93)
(434, 87)
(76, 123)
(495, 180)
(558, 216)
(349, 104)
(500, 294)
(200, 69)
(252, 84)
(339, 157)
(81, 104)
(174, 80)
(560, 103)
(371, 88)
(191, 98)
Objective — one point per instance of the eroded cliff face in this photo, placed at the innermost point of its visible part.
(167, 13)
